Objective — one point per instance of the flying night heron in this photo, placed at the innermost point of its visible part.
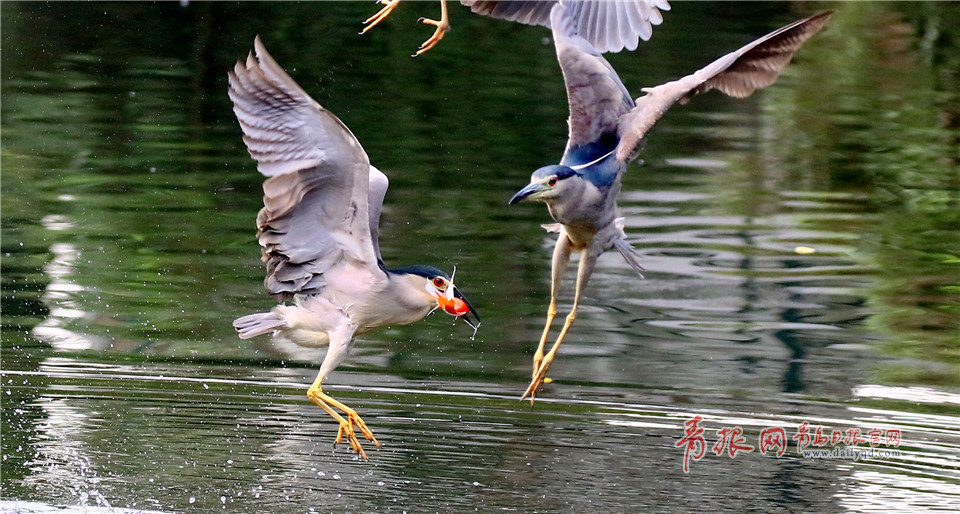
(609, 25)
(318, 232)
(607, 129)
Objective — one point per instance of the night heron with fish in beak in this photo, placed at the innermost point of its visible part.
(318, 232)
(607, 129)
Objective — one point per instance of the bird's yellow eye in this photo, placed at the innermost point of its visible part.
(552, 182)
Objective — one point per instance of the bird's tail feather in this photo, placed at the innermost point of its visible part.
(552, 228)
(629, 254)
(258, 324)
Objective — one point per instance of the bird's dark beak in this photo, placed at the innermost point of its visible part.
(525, 192)
(475, 324)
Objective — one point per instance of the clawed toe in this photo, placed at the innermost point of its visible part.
(442, 27)
(382, 14)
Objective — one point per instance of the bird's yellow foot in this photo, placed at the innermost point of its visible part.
(354, 418)
(538, 380)
(442, 26)
(388, 7)
(346, 429)
(325, 402)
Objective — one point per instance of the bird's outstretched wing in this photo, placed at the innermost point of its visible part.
(609, 25)
(738, 74)
(322, 199)
(597, 98)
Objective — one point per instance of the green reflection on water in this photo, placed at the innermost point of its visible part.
(121, 154)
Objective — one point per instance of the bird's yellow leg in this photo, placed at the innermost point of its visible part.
(541, 372)
(324, 401)
(558, 265)
(442, 26)
(587, 262)
(538, 355)
(388, 7)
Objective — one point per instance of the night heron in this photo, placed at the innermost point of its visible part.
(318, 232)
(609, 25)
(607, 128)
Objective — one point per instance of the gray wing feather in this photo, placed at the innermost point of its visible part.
(316, 198)
(609, 25)
(738, 74)
(525, 12)
(596, 96)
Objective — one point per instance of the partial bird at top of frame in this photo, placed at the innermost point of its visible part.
(608, 25)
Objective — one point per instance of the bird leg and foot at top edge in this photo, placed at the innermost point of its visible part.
(442, 25)
(382, 14)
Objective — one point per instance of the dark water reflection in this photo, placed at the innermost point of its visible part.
(127, 248)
